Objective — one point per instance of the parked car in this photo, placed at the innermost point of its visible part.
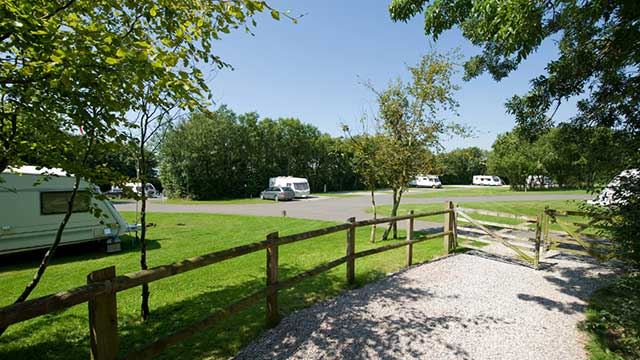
(278, 193)
(431, 181)
(300, 186)
(487, 180)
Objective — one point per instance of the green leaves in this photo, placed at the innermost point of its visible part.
(275, 14)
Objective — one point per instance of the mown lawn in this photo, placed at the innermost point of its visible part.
(457, 191)
(182, 299)
(255, 200)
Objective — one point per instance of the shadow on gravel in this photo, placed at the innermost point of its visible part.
(352, 327)
(576, 276)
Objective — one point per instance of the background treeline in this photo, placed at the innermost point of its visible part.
(225, 155)
(458, 166)
(571, 155)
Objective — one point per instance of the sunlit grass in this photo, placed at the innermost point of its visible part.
(179, 300)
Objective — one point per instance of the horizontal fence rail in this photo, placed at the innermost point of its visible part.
(103, 285)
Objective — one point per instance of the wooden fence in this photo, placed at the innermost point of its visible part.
(525, 247)
(571, 239)
(103, 285)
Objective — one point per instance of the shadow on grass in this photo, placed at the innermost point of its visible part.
(64, 335)
(72, 253)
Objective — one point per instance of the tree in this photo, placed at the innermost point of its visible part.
(79, 65)
(220, 154)
(459, 165)
(366, 150)
(597, 53)
(410, 120)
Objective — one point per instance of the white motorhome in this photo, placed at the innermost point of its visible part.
(300, 186)
(137, 188)
(539, 181)
(116, 192)
(431, 181)
(613, 194)
(33, 202)
(487, 180)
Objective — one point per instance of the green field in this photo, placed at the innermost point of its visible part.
(255, 200)
(179, 300)
(530, 208)
(457, 191)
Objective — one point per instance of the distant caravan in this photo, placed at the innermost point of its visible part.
(487, 180)
(300, 186)
(431, 181)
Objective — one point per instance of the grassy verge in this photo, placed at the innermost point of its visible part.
(530, 208)
(180, 300)
(613, 320)
(456, 191)
(212, 202)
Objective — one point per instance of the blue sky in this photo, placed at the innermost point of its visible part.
(312, 70)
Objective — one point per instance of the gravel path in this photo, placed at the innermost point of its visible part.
(467, 306)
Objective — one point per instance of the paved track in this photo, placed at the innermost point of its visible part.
(332, 209)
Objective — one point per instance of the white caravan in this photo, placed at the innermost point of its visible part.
(487, 180)
(30, 214)
(300, 186)
(137, 188)
(431, 181)
(612, 194)
(116, 192)
(539, 181)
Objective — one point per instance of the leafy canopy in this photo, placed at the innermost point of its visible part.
(65, 61)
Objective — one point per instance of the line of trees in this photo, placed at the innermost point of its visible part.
(570, 155)
(458, 166)
(221, 154)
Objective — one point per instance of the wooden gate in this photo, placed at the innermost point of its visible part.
(523, 237)
(570, 237)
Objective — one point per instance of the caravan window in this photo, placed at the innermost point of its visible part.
(55, 202)
(301, 186)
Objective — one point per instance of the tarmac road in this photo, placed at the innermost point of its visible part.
(331, 208)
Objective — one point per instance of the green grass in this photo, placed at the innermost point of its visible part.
(456, 191)
(255, 200)
(613, 320)
(182, 299)
(530, 208)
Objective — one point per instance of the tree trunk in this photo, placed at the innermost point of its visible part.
(144, 306)
(372, 237)
(394, 212)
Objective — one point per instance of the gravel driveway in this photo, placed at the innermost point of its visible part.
(467, 306)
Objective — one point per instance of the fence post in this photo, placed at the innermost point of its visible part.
(273, 316)
(410, 239)
(547, 221)
(351, 249)
(536, 258)
(103, 318)
(449, 225)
